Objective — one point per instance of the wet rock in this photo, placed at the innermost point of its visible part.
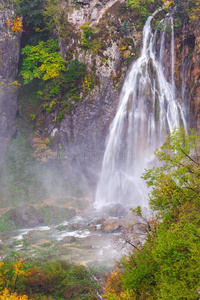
(26, 216)
(69, 239)
(75, 227)
(139, 228)
(117, 210)
(93, 228)
(9, 59)
(112, 226)
(99, 221)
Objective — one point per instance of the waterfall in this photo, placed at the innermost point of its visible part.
(148, 110)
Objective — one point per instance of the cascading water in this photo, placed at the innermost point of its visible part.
(147, 112)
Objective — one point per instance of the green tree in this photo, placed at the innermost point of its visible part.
(140, 6)
(168, 265)
(177, 180)
(42, 61)
(56, 20)
(32, 11)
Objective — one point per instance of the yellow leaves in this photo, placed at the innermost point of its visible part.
(32, 117)
(125, 295)
(3, 275)
(15, 24)
(42, 61)
(18, 271)
(168, 3)
(6, 295)
(9, 278)
(18, 268)
(113, 282)
(86, 84)
(195, 11)
(123, 45)
(42, 151)
(38, 29)
(15, 83)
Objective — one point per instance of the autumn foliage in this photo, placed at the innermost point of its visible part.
(6, 295)
(10, 276)
(40, 279)
(42, 152)
(114, 289)
(15, 24)
(168, 3)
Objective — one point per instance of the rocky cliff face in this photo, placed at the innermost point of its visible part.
(188, 70)
(78, 135)
(115, 42)
(9, 58)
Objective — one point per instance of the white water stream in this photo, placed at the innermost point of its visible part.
(148, 110)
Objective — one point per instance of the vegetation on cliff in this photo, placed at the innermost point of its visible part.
(45, 21)
(168, 264)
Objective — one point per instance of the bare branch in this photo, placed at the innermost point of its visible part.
(189, 157)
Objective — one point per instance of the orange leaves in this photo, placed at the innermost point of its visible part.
(114, 283)
(15, 24)
(168, 3)
(114, 290)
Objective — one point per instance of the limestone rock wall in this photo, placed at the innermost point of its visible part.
(188, 70)
(9, 58)
(82, 132)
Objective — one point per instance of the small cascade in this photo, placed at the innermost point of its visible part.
(184, 63)
(148, 110)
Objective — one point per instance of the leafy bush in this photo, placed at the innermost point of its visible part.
(15, 24)
(140, 6)
(42, 61)
(87, 32)
(177, 181)
(55, 19)
(32, 11)
(45, 63)
(6, 295)
(39, 278)
(75, 72)
(168, 265)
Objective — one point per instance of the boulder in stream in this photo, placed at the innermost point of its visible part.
(117, 210)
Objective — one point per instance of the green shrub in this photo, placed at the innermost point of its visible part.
(167, 266)
(87, 33)
(32, 11)
(55, 279)
(42, 61)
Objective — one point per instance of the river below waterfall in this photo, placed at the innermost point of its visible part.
(94, 241)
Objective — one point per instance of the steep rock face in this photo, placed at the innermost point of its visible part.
(188, 70)
(9, 58)
(89, 11)
(82, 131)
